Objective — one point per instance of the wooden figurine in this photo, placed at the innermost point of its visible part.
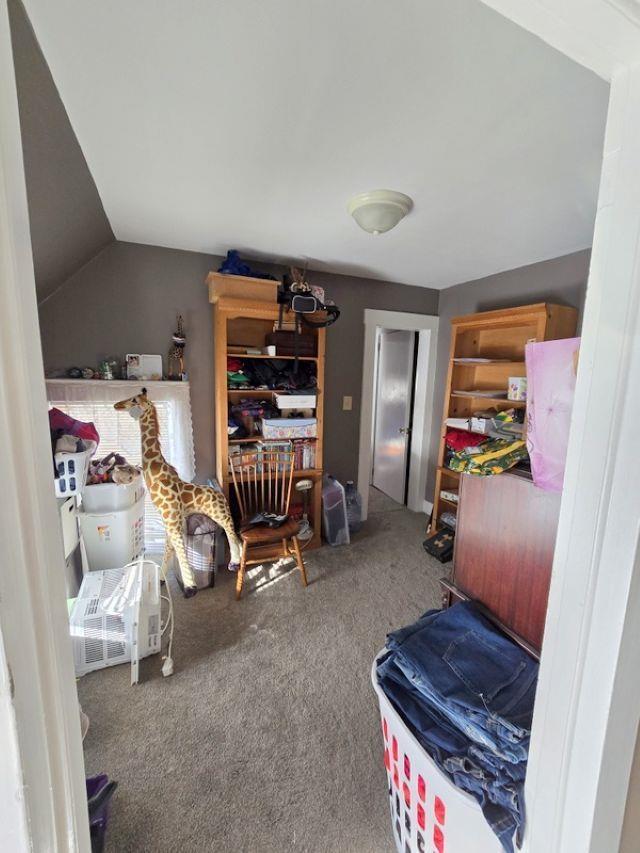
(176, 353)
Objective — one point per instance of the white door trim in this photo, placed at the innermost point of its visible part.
(587, 710)
(427, 327)
(588, 699)
(37, 683)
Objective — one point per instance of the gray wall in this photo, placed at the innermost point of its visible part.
(561, 280)
(68, 222)
(126, 300)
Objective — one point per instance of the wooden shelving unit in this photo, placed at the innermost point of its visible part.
(500, 338)
(239, 323)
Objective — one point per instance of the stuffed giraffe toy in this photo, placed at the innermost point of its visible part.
(174, 498)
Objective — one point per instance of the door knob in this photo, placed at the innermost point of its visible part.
(404, 430)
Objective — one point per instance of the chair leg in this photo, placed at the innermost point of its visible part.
(299, 560)
(285, 549)
(240, 576)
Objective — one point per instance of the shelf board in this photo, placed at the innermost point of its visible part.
(444, 470)
(448, 503)
(490, 363)
(278, 357)
(265, 392)
(516, 404)
(260, 438)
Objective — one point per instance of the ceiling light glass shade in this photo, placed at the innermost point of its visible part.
(378, 211)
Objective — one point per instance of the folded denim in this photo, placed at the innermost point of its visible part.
(502, 802)
(469, 768)
(467, 693)
(480, 680)
(504, 821)
(434, 732)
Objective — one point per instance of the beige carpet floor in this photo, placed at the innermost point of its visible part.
(267, 738)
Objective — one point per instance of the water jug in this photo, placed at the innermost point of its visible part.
(354, 507)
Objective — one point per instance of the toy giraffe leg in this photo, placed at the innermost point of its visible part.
(214, 505)
(168, 554)
(235, 548)
(173, 524)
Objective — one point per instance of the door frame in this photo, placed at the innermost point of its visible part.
(588, 701)
(427, 327)
(47, 806)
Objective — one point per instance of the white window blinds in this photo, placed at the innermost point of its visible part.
(89, 400)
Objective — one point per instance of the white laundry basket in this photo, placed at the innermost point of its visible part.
(113, 539)
(428, 813)
(107, 497)
(71, 469)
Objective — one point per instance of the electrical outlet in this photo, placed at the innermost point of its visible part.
(347, 404)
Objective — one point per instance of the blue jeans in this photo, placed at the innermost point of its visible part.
(434, 732)
(467, 693)
(481, 681)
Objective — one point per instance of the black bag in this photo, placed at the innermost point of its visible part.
(440, 545)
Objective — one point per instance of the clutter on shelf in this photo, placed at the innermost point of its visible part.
(306, 301)
(493, 457)
(465, 692)
(269, 376)
(234, 265)
(486, 443)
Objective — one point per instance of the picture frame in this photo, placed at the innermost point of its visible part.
(143, 367)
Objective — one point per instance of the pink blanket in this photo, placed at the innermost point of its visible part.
(551, 381)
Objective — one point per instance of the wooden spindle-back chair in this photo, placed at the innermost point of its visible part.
(263, 481)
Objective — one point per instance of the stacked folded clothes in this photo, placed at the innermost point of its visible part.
(467, 692)
(493, 457)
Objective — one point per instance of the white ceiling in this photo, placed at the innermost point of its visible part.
(212, 124)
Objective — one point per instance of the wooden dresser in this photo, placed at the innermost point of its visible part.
(505, 539)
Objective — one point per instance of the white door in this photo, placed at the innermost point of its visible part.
(393, 412)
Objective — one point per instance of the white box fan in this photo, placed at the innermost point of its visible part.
(117, 618)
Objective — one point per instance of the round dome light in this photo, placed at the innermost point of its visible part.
(378, 211)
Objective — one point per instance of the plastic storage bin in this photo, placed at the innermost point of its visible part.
(113, 539)
(335, 523)
(428, 812)
(289, 428)
(72, 472)
(296, 401)
(108, 497)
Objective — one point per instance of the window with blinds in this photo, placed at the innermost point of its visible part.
(120, 432)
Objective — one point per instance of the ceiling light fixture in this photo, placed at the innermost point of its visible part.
(378, 211)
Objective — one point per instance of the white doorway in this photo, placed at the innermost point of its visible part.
(423, 330)
(396, 352)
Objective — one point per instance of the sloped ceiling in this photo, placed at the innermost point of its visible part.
(67, 219)
(210, 124)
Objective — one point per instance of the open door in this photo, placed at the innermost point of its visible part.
(394, 392)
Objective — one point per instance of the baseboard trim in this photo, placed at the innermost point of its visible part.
(427, 507)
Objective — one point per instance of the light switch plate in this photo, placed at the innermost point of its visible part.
(347, 404)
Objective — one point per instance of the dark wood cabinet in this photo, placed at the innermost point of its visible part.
(505, 539)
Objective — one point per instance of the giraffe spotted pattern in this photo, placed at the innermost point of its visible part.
(174, 498)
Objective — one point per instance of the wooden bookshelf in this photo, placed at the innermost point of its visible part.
(498, 337)
(239, 323)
